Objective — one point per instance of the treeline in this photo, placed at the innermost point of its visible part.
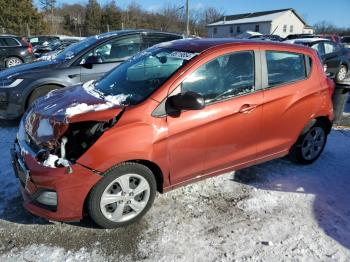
(22, 17)
(325, 27)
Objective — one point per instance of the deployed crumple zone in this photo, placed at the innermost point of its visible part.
(69, 115)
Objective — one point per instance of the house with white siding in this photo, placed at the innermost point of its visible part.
(280, 22)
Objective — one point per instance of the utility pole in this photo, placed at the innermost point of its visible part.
(28, 30)
(187, 18)
(107, 27)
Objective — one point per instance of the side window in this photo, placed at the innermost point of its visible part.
(319, 48)
(284, 67)
(2, 42)
(224, 77)
(329, 48)
(10, 42)
(284, 28)
(291, 28)
(115, 50)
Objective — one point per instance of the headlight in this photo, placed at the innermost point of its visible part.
(8, 83)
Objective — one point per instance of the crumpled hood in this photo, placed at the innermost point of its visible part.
(49, 117)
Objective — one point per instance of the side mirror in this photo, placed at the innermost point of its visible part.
(187, 101)
(92, 60)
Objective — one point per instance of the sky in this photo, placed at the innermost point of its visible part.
(313, 11)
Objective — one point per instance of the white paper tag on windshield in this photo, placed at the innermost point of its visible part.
(182, 55)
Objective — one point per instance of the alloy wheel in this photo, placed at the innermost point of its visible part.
(125, 198)
(342, 73)
(13, 61)
(313, 143)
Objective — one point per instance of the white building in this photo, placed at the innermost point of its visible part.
(278, 22)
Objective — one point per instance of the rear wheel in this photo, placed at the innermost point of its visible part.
(39, 92)
(123, 196)
(13, 61)
(342, 72)
(309, 145)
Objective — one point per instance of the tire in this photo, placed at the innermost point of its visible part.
(310, 145)
(112, 203)
(12, 61)
(40, 91)
(341, 74)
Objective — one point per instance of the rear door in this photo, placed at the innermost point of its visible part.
(290, 99)
(111, 54)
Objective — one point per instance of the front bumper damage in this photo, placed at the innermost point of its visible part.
(36, 180)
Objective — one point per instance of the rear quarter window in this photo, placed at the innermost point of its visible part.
(286, 67)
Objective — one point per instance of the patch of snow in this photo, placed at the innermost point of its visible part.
(45, 128)
(51, 254)
(109, 101)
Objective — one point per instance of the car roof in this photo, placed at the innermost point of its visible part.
(129, 31)
(310, 40)
(202, 44)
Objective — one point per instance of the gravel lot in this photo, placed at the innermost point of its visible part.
(276, 211)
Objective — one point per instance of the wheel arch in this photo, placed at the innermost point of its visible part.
(17, 56)
(156, 170)
(324, 120)
(37, 87)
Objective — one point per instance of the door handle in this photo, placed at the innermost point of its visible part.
(73, 76)
(246, 108)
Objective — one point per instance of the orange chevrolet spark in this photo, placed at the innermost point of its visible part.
(171, 115)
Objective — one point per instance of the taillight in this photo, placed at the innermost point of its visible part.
(331, 86)
(30, 48)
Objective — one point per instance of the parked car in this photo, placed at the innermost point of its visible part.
(41, 39)
(173, 114)
(54, 53)
(346, 41)
(334, 56)
(14, 51)
(298, 36)
(80, 62)
(54, 45)
(333, 38)
(267, 37)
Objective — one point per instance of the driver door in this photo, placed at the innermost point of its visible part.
(109, 55)
(226, 132)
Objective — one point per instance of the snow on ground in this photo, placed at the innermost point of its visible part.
(277, 211)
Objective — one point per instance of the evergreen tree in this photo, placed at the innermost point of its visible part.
(17, 16)
(93, 18)
(111, 17)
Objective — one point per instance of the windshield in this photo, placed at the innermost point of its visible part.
(137, 78)
(72, 50)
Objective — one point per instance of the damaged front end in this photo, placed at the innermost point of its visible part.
(58, 139)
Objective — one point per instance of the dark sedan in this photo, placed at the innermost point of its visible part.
(334, 56)
(87, 60)
(14, 51)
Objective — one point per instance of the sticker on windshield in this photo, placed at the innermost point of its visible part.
(182, 55)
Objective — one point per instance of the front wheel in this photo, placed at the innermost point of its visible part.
(123, 196)
(309, 145)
